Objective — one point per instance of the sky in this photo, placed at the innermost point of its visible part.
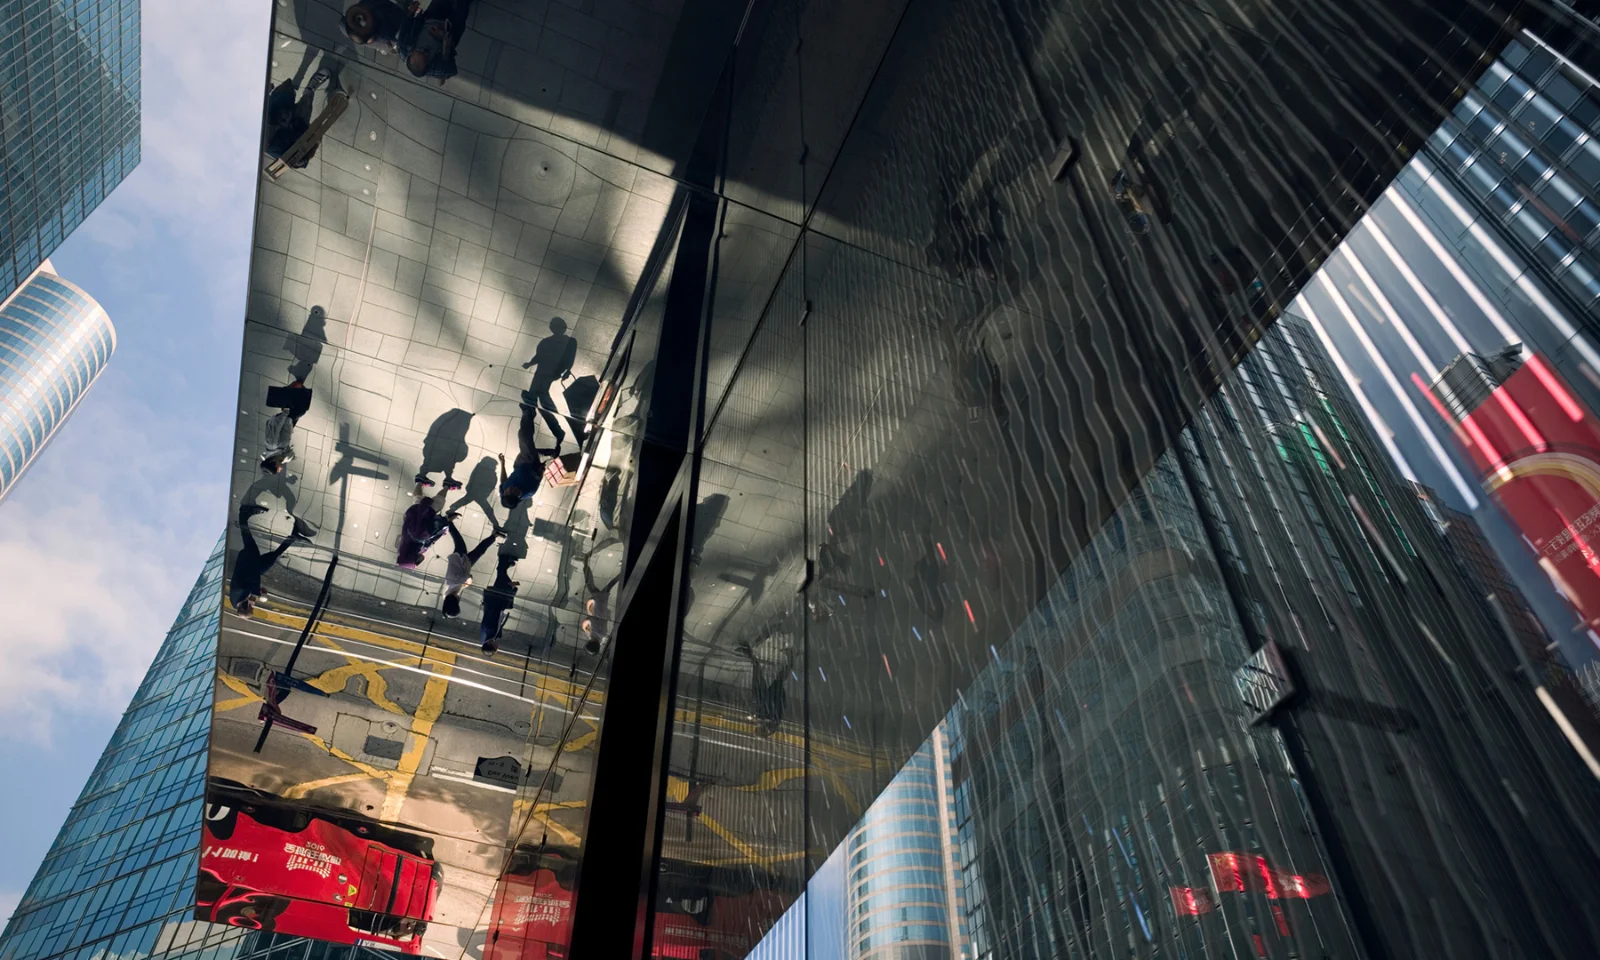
(105, 534)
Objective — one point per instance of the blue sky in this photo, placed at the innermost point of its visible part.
(104, 536)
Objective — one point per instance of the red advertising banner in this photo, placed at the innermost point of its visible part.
(1537, 448)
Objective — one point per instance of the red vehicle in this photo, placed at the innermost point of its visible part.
(711, 913)
(532, 914)
(277, 868)
(697, 917)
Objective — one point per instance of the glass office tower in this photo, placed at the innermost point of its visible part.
(119, 879)
(69, 127)
(1114, 383)
(54, 342)
(906, 898)
(121, 868)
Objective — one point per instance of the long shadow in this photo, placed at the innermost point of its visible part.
(280, 485)
(551, 362)
(346, 467)
(307, 345)
(517, 526)
(445, 446)
(480, 489)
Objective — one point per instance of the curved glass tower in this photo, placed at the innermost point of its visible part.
(54, 341)
(902, 891)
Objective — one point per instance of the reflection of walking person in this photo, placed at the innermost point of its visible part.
(289, 119)
(768, 697)
(294, 401)
(497, 601)
(422, 525)
(375, 22)
(552, 360)
(458, 570)
(523, 480)
(428, 40)
(244, 586)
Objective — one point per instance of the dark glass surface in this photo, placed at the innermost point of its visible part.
(1141, 467)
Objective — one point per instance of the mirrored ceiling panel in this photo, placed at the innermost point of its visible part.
(452, 306)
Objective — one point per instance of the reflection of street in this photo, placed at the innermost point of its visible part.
(424, 734)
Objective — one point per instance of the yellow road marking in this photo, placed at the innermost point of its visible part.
(333, 681)
(245, 698)
(747, 853)
(299, 790)
(338, 754)
(764, 861)
(541, 814)
(428, 712)
(578, 743)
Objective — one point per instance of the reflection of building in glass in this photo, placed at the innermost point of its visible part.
(54, 341)
(69, 127)
(906, 901)
(1524, 146)
(1406, 668)
(1110, 793)
(1103, 774)
(1489, 575)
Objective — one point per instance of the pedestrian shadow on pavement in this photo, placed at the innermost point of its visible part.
(445, 446)
(481, 489)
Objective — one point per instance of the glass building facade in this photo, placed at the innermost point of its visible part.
(69, 120)
(905, 894)
(54, 342)
(121, 869)
(118, 882)
(1181, 413)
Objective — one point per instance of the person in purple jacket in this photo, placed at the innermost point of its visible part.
(422, 524)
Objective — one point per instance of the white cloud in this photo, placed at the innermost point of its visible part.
(203, 83)
(103, 538)
(93, 580)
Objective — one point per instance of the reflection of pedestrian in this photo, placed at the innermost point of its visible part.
(458, 570)
(497, 601)
(375, 22)
(244, 586)
(422, 524)
(523, 480)
(279, 446)
(480, 486)
(428, 40)
(289, 119)
(768, 695)
(293, 401)
(552, 360)
(973, 372)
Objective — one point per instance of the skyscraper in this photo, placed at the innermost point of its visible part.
(54, 342)
(906, 901)
(69, 123)
(122, 868)
(118, 882)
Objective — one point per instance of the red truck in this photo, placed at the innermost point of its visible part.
(532, 914)
(697, 918)
(278, 868)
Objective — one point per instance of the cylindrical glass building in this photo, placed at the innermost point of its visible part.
(900, 886)
(54, 341)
